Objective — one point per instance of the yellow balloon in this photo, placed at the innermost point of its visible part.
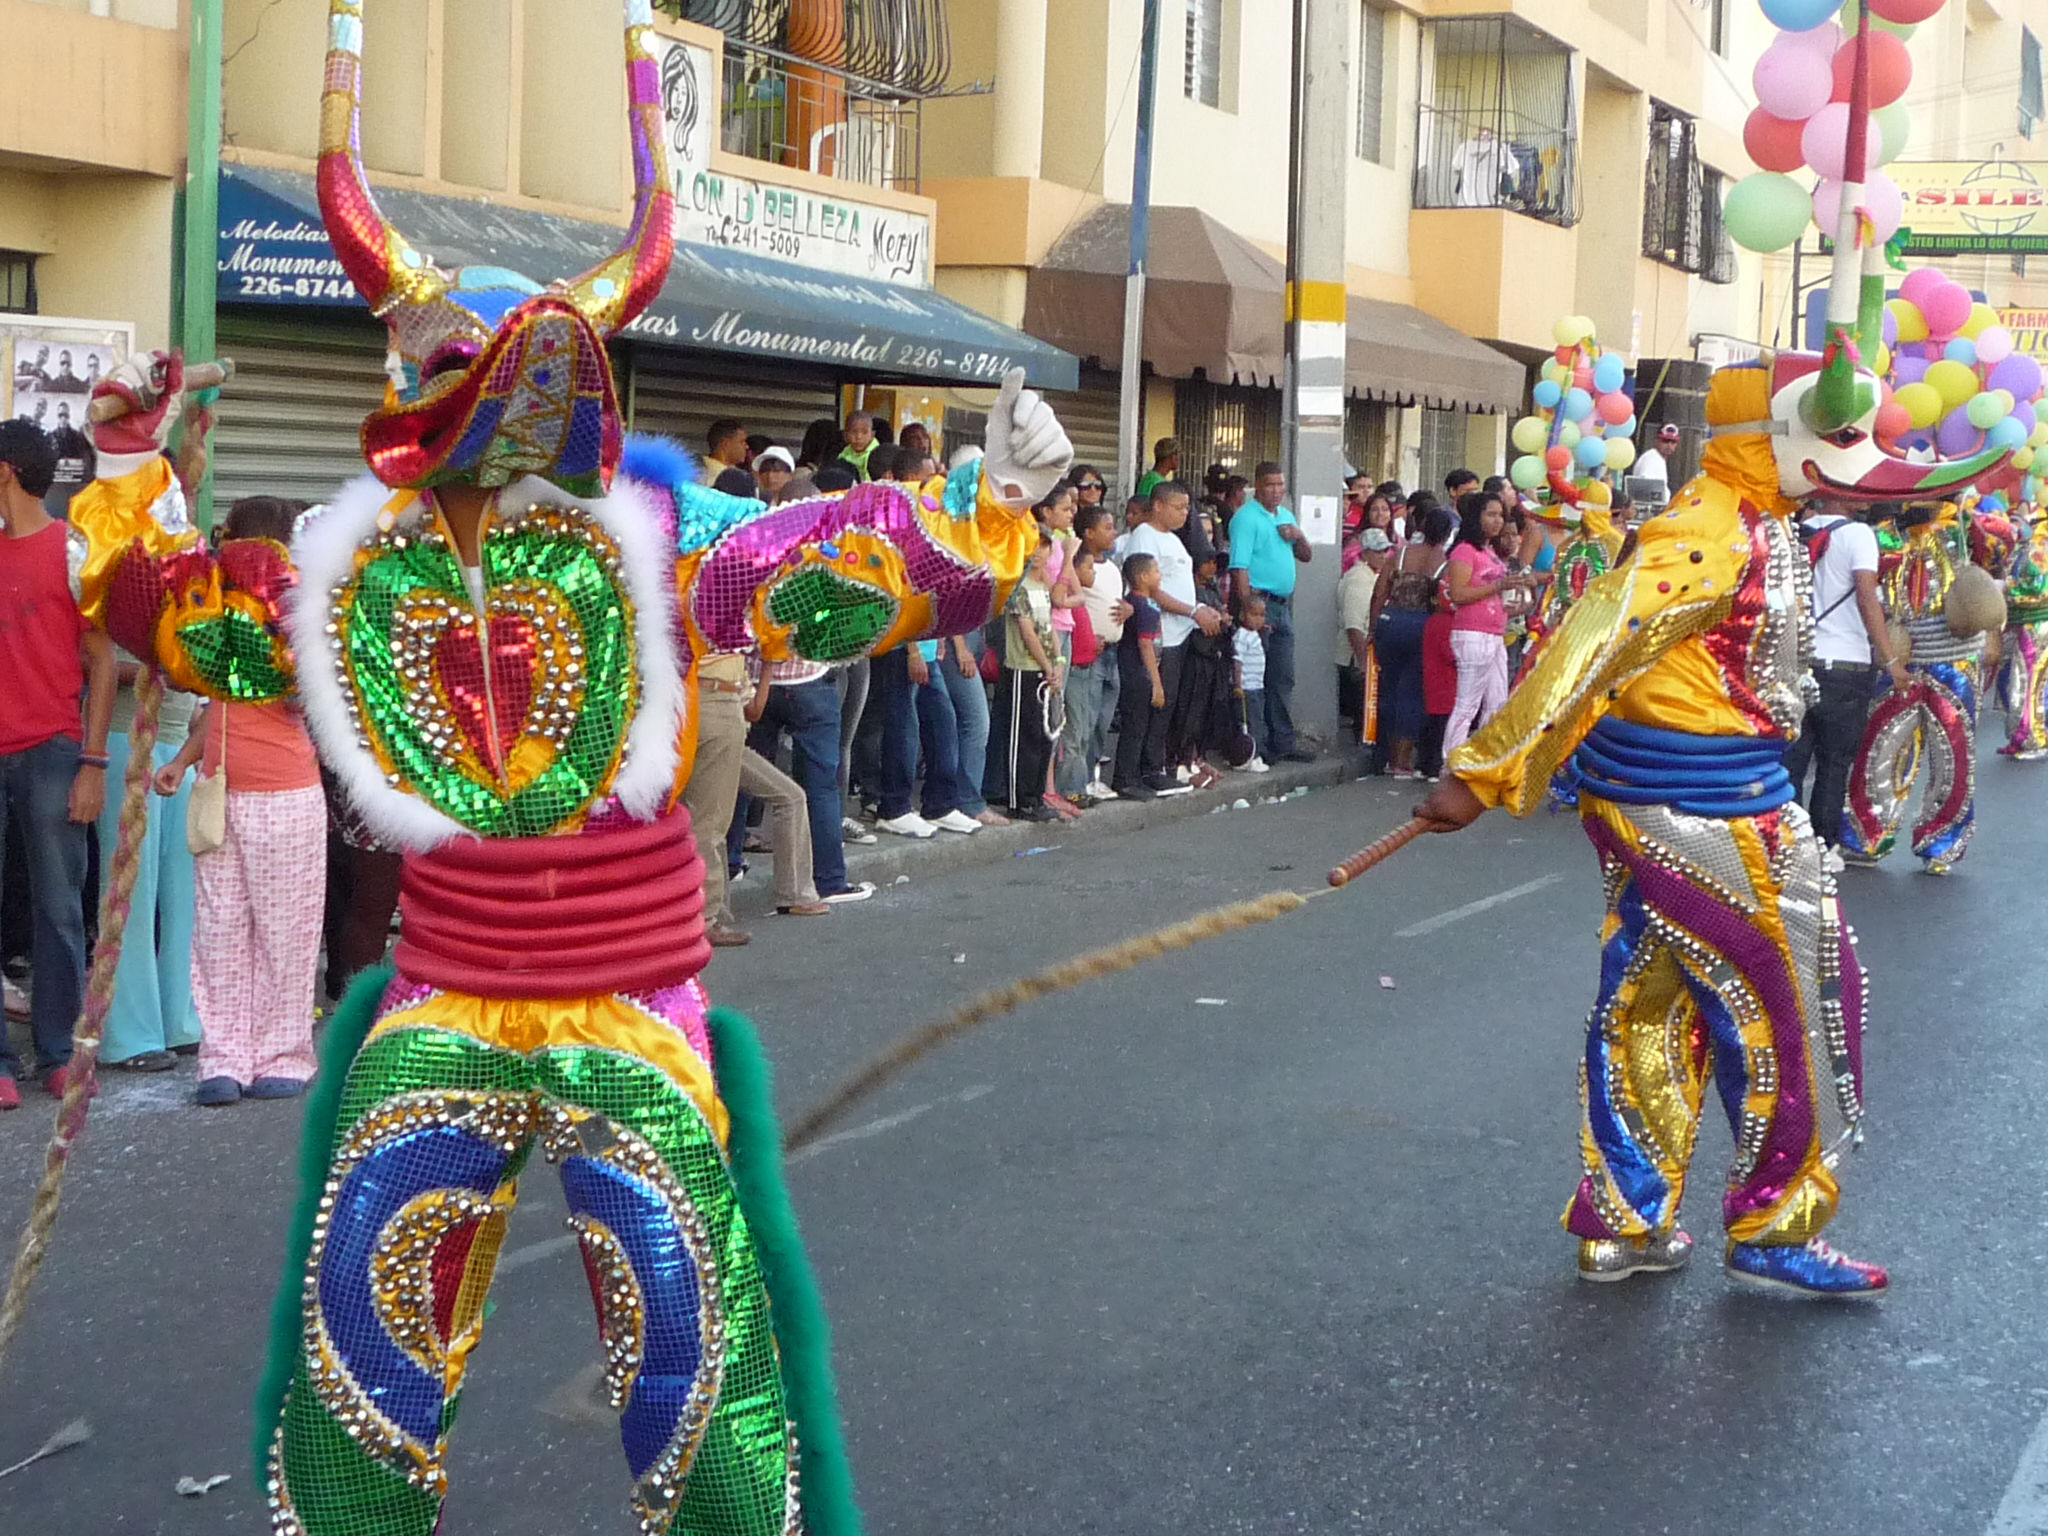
(1566, 332)
(1884, 360)
(2023, 458)
(1912, 324)
(1922, 403)
(1531, 434)
(1954, 382)
(1982, 317)
(1620, 453)
(2038, 438)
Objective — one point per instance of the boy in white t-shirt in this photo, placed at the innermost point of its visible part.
(1850, 647)
(1248, 652)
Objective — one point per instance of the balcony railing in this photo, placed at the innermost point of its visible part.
(831, 122)
(1494, 125)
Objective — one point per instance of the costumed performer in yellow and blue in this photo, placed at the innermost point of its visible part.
(491, 636)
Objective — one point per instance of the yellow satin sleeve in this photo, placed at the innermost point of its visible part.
(113, 514)
(1632, 644)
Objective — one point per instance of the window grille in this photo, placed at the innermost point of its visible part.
(1202, 63)
(1372, 81)
(17, 283)
(1495, 125)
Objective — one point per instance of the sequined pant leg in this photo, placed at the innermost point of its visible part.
(690, 1357)
(1948, 704)
(1723, 948)
(435, 1126)
(1881, 777)
(2027, 690)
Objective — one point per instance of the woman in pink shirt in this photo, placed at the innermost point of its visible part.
(1475, 577)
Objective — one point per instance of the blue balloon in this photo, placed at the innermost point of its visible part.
(1578, 405)
(2005, 434)
(1798, 15)
(1608, 373)
(1591, 452)
(1961, 350)
(1546, 394)
(1625, 428)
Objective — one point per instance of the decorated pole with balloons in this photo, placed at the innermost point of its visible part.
(1955, 385)
(1583, 421)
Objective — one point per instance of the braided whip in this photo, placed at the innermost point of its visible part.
(1071, 973)
(99, 995)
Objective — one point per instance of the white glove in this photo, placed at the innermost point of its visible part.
(1028, 450)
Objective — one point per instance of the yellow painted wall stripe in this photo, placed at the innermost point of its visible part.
(1316, 301)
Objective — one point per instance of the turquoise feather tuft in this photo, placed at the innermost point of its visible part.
(343, 1037)
(746, 1084)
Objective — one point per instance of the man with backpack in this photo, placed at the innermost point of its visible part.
(1850, 647)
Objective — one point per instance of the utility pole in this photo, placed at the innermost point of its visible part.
(199, 211)
(1318, 145)
(1130, 392)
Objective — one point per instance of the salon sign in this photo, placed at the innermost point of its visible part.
(734, 211)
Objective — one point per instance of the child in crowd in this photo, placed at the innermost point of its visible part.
(1091, 697)
(1204, 714)
(1141, 700)
(1015, 776)
(1056, 516)
(1248, 666)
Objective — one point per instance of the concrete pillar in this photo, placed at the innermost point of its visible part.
(1020, 87)
(1316, 302)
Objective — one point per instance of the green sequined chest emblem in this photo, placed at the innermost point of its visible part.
(512, 721)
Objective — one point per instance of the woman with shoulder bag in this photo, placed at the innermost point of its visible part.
(1402, 603)
(258, 828)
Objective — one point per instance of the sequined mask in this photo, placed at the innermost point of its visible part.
(493, 376)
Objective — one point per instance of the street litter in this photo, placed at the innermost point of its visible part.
(193, 1487)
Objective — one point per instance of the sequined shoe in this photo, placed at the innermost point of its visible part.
(1810, 1269)
(1616, 1258)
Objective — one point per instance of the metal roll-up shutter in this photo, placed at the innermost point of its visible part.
(679, 394)
(289, 422)
(1089, 415)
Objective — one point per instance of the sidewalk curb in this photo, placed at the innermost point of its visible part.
(883, 861)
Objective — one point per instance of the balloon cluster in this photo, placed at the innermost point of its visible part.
(1954, 383)
(1583, 420)
(1802, 121)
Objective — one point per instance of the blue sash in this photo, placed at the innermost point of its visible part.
(1720, 776)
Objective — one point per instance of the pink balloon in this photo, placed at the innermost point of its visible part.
(1919, 281)
(1793, 80)
(1616, 407)
(1994, 345)
(1582, 376)
(1824, 39)
(1946, 307)
(1886, 207)
(1824, 141)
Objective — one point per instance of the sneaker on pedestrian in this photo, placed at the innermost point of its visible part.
(146, 1061)
(275, 1088)
(909, 824)
(854, 831)
(1137, 792)
(217, 1091)
(10, 1095)
(1183, 773)
(805, 909)
(1034, 813)
(57, 1079)
(726, 938)
(1097, 790)
(1831, 859)
(860, 890)
(1255, 764)
(17, 1000)
(957, 820)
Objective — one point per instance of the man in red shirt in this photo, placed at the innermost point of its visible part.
(53, 758)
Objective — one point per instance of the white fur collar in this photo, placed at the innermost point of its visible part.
(325, 550)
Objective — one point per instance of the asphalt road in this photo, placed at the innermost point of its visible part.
(1134, 1260)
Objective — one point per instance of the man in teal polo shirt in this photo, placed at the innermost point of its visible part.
(1265, 546)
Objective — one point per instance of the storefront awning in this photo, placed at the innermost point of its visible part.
(274, 251)
(1215, 302)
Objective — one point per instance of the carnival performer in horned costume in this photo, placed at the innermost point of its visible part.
(2026, 676)
(1934, 593)
(485, 638)
(1673, 687)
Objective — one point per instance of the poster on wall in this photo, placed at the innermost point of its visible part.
(48, 368)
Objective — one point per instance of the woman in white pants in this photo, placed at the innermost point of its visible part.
(1475, 576)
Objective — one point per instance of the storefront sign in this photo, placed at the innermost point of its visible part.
(1973, 207)
(2029, 329)
(827, 233)
(268, 257)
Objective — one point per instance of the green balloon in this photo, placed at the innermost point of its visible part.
(1985, 411)
(1766, 211)
(1531, 434)
(1526, 472)
(1894, 126)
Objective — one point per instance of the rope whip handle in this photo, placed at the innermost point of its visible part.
(200, 376)
(1372, 853)
(99, 995)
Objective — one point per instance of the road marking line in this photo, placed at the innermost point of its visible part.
(858, 1133)
(2024, 1509)
(1471, 908)
(533, 1253)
